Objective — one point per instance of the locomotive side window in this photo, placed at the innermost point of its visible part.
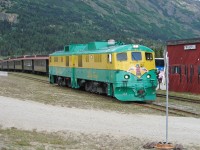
(80, 61)
(122, 56)
(87, 58)
(67, 60)
(136, 56)
(55, 59)
(97, 58)
(109, 58)
(149, 56)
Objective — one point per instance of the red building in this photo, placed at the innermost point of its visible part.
(184, 65)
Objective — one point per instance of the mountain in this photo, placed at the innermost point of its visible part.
(43, 26)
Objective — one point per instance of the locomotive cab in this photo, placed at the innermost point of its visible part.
(137, 76)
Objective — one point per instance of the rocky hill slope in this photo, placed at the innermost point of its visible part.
(43, 26)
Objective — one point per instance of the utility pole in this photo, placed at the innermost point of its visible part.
(167, 93)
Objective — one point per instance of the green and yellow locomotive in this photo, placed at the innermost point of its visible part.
(126, 72)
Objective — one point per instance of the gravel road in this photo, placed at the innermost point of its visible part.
(29, 115)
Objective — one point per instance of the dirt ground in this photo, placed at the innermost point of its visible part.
(49, 117)
(29, 115)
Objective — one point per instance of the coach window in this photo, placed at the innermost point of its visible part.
(136, 56)
(17, 62)
(122, 56)
(149, 56)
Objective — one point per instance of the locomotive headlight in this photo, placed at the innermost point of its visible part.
(126, 76)
(148, 76)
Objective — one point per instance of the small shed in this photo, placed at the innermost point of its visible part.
(184, 65)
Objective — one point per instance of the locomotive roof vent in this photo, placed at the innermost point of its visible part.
(111, 42)
(66, 48)
(135, 46)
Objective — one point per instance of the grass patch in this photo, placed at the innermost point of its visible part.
(26, 89)
(14, 139)
(17, 138)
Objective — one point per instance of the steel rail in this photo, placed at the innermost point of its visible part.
(178, 110)
(180, 98)
(30, 78)
(173, 111)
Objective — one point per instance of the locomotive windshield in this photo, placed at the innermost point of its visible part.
(122, 56)
(149, 56)
(136, 56)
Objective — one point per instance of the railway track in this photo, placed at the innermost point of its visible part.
(177, 111)
(172, 111)
(30, 78)
(158, 107)
(180, 98)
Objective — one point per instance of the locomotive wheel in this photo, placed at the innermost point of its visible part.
(59, 81)
(113, 91)
(88, 86)
(69, 84)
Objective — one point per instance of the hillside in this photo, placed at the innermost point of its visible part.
(43, 26)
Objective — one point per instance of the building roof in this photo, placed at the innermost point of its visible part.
(183, 41)
(27, 57)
